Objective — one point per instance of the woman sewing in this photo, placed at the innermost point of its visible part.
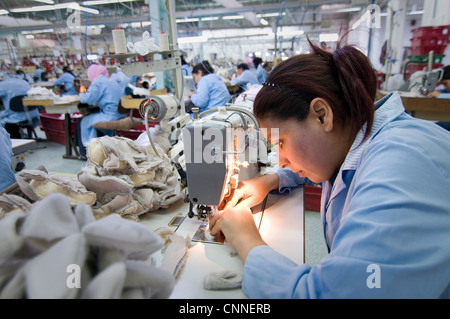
(385, 178)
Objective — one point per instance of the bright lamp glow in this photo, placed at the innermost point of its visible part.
(193, 39)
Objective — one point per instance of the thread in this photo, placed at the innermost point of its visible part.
(120, 44)
(163, 42)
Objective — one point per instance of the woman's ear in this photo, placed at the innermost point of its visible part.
(322, 112)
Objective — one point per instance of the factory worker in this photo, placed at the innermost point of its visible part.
(121, 79)
(185, 68)
(24, 76)
(106, 93)
(10, 87)
(385, 178)
(7, 177)
(211, 90)
(245, 77)
(37, 75)
(66, 82)
(261, 73)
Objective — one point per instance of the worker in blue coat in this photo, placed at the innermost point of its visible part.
(211, 89)
(7, 177)
(10, 87)
(385, 185)
(260, 72)
(106, 93)
(245, 77)
(66, 82)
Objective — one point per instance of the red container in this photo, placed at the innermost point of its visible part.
(313, 195)
(55, 135)
(55, 122)
(442, 32)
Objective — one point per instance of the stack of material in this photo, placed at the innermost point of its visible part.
(54, 251)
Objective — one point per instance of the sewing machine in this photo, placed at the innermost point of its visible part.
(424, 82)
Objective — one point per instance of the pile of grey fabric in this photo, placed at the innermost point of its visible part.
(58, 250)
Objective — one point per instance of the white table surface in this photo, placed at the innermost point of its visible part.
(282, 228)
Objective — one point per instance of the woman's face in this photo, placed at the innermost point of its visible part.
(306, 147)
(197, 76)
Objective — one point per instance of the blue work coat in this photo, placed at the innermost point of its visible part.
(67, 79)
(211, 92)
(245, 80)
(9, 88)
(261, 74)
(106, 93)
(386, 219)
(7, 177)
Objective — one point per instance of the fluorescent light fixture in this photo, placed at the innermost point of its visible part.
(415, 12)
(237, 17)
(193, 39)
(29, 36)
(61, 6)
(91, 57)
(270, 15)
(45, 1)
(99, 2)
(210, 18)
(328, 37)
(263, 21)
(186, 20)
(288, 33)
(3, 11)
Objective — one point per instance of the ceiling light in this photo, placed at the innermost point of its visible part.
(29, 36)
(187, 20)
(193, 39)
(61, 6)
(210, 18)
(328, 37)
(98, 2)
(45, 1)
(233, 17)
(3, 11)
(264, 21)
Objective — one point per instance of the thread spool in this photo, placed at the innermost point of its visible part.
(120, 44)
(163, 42)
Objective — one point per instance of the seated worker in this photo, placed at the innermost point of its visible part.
(106, 93)
(24, 76)
(7, 177)
(443, 94)
(385, 184)
(10, 87)
(185, 67)
(245, 77)
(261, 73)
(65, 82)
(211, 90)
(37, 75)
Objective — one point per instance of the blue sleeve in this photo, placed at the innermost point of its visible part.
(201, 98)
(288, 179)
(6, 153)
(92, 94)
(444, 96)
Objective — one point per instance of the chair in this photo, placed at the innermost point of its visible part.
(16, 105)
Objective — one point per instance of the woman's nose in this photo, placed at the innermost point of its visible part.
(283, 162)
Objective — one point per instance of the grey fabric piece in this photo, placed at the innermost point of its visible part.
(108, 258)
(37, 184)
(108, 284)
(176, 254)
(46, 274)
(156, 282)
(222, 280)
(50, 219)
(9, 238)
(10, 202)
(83, 215)
(136, 240)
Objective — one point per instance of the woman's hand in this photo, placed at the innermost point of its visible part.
(253, 191)
(239, 228)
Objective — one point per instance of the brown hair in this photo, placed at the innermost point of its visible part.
(345, 79)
